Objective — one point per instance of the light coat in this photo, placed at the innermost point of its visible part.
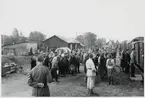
(90, 66)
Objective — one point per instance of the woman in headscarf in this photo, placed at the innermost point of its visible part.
(73, 63)
(66, 64)
(123, 60)
(62, 65)
(118, 59)
(78, 63)
(102, 65)
(91, 73)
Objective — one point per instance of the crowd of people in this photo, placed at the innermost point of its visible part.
(106, 64)
(55, 65)
(60, 64)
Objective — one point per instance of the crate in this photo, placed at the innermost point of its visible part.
(6, 70)
(9, 68)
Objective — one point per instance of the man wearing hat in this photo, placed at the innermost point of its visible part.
(38, 79)
(127, 61)
(132, 62)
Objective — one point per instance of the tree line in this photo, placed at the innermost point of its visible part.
(18, 37)
(89, 39)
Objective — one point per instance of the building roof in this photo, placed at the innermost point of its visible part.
(68, 40)
(138, 39)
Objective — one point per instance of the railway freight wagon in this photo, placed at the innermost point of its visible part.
(138, 44)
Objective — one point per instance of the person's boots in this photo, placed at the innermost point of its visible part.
(89, 92)
(56, 79)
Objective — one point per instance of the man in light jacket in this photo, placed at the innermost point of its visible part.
(91, 73)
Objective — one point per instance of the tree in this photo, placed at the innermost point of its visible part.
(7, 40)
(100, 42)
(21, 34)
(22, 38)
(90, 39)
(15, 32)
(80, 38)
(36, 36)
(15, 35)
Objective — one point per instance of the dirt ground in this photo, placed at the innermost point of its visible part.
(15, 85)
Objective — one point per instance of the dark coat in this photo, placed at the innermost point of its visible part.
(127, 58)
(40, 74)
(62, 65)
(62, 62)
(33, 63)
(47, 62)
(73, 60)
(95, 60)
(123, 60)
(101, 67)
(127, 62)
(77, 60)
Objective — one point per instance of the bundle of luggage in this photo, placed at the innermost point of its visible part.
(9, 68)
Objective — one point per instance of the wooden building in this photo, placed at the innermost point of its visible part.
(59, 41)
(19, 49)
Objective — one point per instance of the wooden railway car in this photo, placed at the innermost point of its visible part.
(138, 44)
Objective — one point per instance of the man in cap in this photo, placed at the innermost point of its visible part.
(127, 61)
(133, 62)
(38, 79)
(46, 61)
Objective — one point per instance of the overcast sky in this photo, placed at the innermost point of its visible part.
(112, 19)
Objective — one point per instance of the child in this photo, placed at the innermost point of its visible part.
(72, 69)
(110, 65)
(118, 59)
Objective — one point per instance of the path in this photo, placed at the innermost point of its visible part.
(16, 86)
